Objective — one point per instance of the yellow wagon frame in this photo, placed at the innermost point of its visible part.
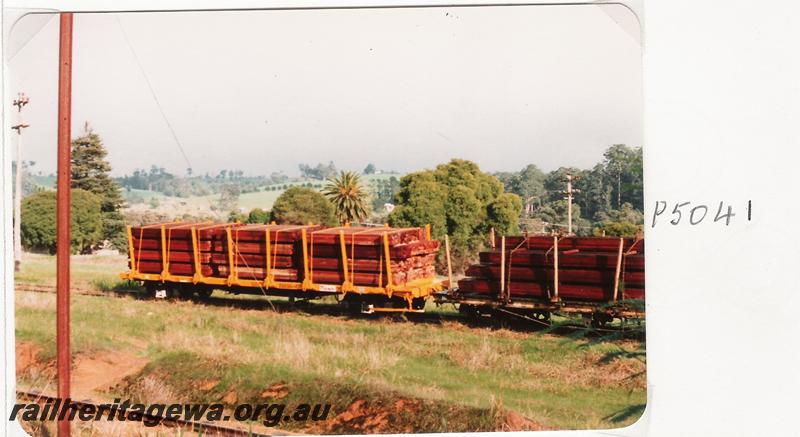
(421, 288)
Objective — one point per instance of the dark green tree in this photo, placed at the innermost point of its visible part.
(38, 222)
(501, 212)
(419, 202)
(595, 191)
(554, 215)
(459, 200)
(91, 172)
(555, 183)
(301, 206)
(258, 215)
(369, 169)
(528, 184)
(623, 166)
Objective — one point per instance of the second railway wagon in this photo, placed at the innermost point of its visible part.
(601, 278)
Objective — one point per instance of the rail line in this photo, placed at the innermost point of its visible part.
(202, 428)
(336, 310)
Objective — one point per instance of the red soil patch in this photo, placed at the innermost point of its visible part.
(362, 417)
(513, 421)
(27, 354)
(276, 391)
(207, 384)
(103, 371)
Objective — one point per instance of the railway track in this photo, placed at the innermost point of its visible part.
(202, 428)
(337, 310)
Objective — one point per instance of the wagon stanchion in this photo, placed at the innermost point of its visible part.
(198, 268)
(268, 260)
(502, 267)
(231, 259)
(307, 281)
(556, 297)
(164, 254)
(449, 264)
(618, 269)
(388, 257)
(347, 283)
(131, 251)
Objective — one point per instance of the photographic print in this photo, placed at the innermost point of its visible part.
(341, 221)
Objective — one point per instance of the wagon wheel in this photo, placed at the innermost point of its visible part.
(204, 293)
(601, 320)
(468, 311)
(148, 291)
(352, 304)
(184, 292)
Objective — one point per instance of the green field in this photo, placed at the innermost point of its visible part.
(449, 376)
(258, 199)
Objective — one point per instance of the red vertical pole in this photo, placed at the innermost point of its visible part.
(63, 356)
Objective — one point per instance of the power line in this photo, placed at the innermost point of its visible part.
(158, 103)
(153, 92)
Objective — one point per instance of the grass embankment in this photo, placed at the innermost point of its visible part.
(457, 377)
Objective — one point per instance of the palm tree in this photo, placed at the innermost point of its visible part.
(347, 196)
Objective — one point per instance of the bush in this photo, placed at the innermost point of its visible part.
(258, 215)
(237, 217)
(38, 223)
(301, 206)
(625, 222)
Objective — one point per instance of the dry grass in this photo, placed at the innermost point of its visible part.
(560, 382)
(153, 390)
(39, 301)
(290, 346)
(488, 354)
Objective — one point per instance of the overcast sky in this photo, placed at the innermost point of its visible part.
(405, 89)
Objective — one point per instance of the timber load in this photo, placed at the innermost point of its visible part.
(369, 256)
(397, 263)
(581, 269)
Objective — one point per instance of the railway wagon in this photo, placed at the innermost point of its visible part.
(601, 278)
(367, 268)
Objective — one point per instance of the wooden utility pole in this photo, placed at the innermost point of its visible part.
(20, 102)
(63, 356)
(570, 192)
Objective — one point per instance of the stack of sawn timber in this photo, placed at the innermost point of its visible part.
(148, 250)
(250, 251)
(411, 255)
(586, 269)
(249, 254)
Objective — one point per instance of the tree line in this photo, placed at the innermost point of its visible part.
(457, 199)
(160, 180)
(609, 198)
